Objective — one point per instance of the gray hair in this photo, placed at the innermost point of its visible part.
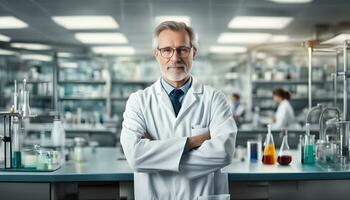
(175, 26)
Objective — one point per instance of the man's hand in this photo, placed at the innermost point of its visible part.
(147, 136)
(196, 141)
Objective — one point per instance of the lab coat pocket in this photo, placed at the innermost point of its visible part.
(199, 130)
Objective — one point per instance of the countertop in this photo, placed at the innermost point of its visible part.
(107, 165)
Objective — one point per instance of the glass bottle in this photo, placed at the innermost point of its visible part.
(309, 150)
(284, 156)
(309, 147)
(16, 144)
(25, 98)
(269, 155)
(78, 149)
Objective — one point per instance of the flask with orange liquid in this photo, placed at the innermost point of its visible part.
(269, 156)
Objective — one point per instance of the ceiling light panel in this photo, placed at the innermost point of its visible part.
(243, 38)
(256, 22)
(37, 57)
(279, 38)
(86, 22)
(101, 38)
(227, 49)
(4, 38)
(114, 50)
(30, 46)
(185, 19)
(9, 22)
(64, 54)
(7, 52)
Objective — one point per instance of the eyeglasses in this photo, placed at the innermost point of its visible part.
(168, 52)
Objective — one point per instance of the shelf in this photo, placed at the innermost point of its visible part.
(41, 97)
(296, 98)
(290, 82)
(82, 82)
(119, 98)
(32, 97)
(28, 82)
(69, 127)
(83, 98)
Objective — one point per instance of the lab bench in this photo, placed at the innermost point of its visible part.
(106, 175)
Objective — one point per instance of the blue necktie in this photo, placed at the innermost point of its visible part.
(175, 99)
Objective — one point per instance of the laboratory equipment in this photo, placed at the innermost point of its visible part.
(269, 155)
(42, 160)
(253, 150)
(344, 132)
(13, 130)
(13, 127)
(58, 137)
(93, 145)
(327, 151)
(24, 106)
(331, 150)
(301, 148)
(284, 155)
(78, 149)
(17, 132)
(29, 158)
(308, 147)
(56, 132)
(324, 152)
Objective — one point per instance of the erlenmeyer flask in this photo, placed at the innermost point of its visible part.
(284, 156)
(269, 156)
(25, 98)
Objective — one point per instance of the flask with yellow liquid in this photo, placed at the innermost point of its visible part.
(269, 155)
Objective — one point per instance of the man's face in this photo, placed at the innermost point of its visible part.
(175, 68)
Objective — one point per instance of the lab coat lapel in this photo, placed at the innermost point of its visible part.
(191, 98)
(163, 98)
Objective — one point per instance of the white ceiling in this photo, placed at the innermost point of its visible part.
(209, 18)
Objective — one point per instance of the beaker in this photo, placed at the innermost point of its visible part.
(16, 154)
(269, 155)
(344, 132)
(309, 149)
(284, 156)
(253, 150)
(324, 151)
(78, 149)
(42, 160)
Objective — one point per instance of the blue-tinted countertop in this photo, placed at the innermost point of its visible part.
(106, 165)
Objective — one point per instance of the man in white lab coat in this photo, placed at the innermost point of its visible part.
(177, 134)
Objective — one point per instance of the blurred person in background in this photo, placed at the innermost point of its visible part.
(237, 108)
(284, 116)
